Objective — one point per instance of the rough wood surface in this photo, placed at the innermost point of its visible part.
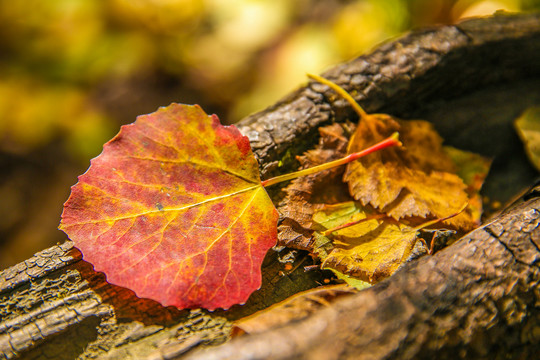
(481, 294)
(479, 298)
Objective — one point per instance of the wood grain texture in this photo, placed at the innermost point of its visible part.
(477, 298)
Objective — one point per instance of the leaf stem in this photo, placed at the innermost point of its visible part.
(435, 221)
(363, 115)
(393, 140)
(344, 94)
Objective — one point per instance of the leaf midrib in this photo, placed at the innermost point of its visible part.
(169, 209)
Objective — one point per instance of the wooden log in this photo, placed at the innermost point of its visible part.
(461, 301)
(477, 299)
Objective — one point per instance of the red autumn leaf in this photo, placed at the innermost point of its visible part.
(174, 210)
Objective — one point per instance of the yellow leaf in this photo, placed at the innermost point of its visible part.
(370, 250)
(473, 169)
(528, 128)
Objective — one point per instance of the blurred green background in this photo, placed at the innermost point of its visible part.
(73, 71)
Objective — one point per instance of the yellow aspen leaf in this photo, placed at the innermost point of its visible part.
(370, 250)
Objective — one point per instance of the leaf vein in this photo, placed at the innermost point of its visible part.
(186, 207)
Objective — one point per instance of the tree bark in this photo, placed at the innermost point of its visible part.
(477, 299)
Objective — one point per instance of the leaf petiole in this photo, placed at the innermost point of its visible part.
(392, 140)
(363, 115)
(342, 92)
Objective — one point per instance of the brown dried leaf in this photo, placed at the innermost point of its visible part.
(418, 180)
(305, 193)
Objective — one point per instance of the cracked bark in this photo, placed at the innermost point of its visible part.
(476, 299)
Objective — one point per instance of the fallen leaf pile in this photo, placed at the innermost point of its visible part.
(174, 209)
(393, 194)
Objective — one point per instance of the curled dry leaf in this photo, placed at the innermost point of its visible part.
(409, 187)
(174, 210)
(305, 194)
